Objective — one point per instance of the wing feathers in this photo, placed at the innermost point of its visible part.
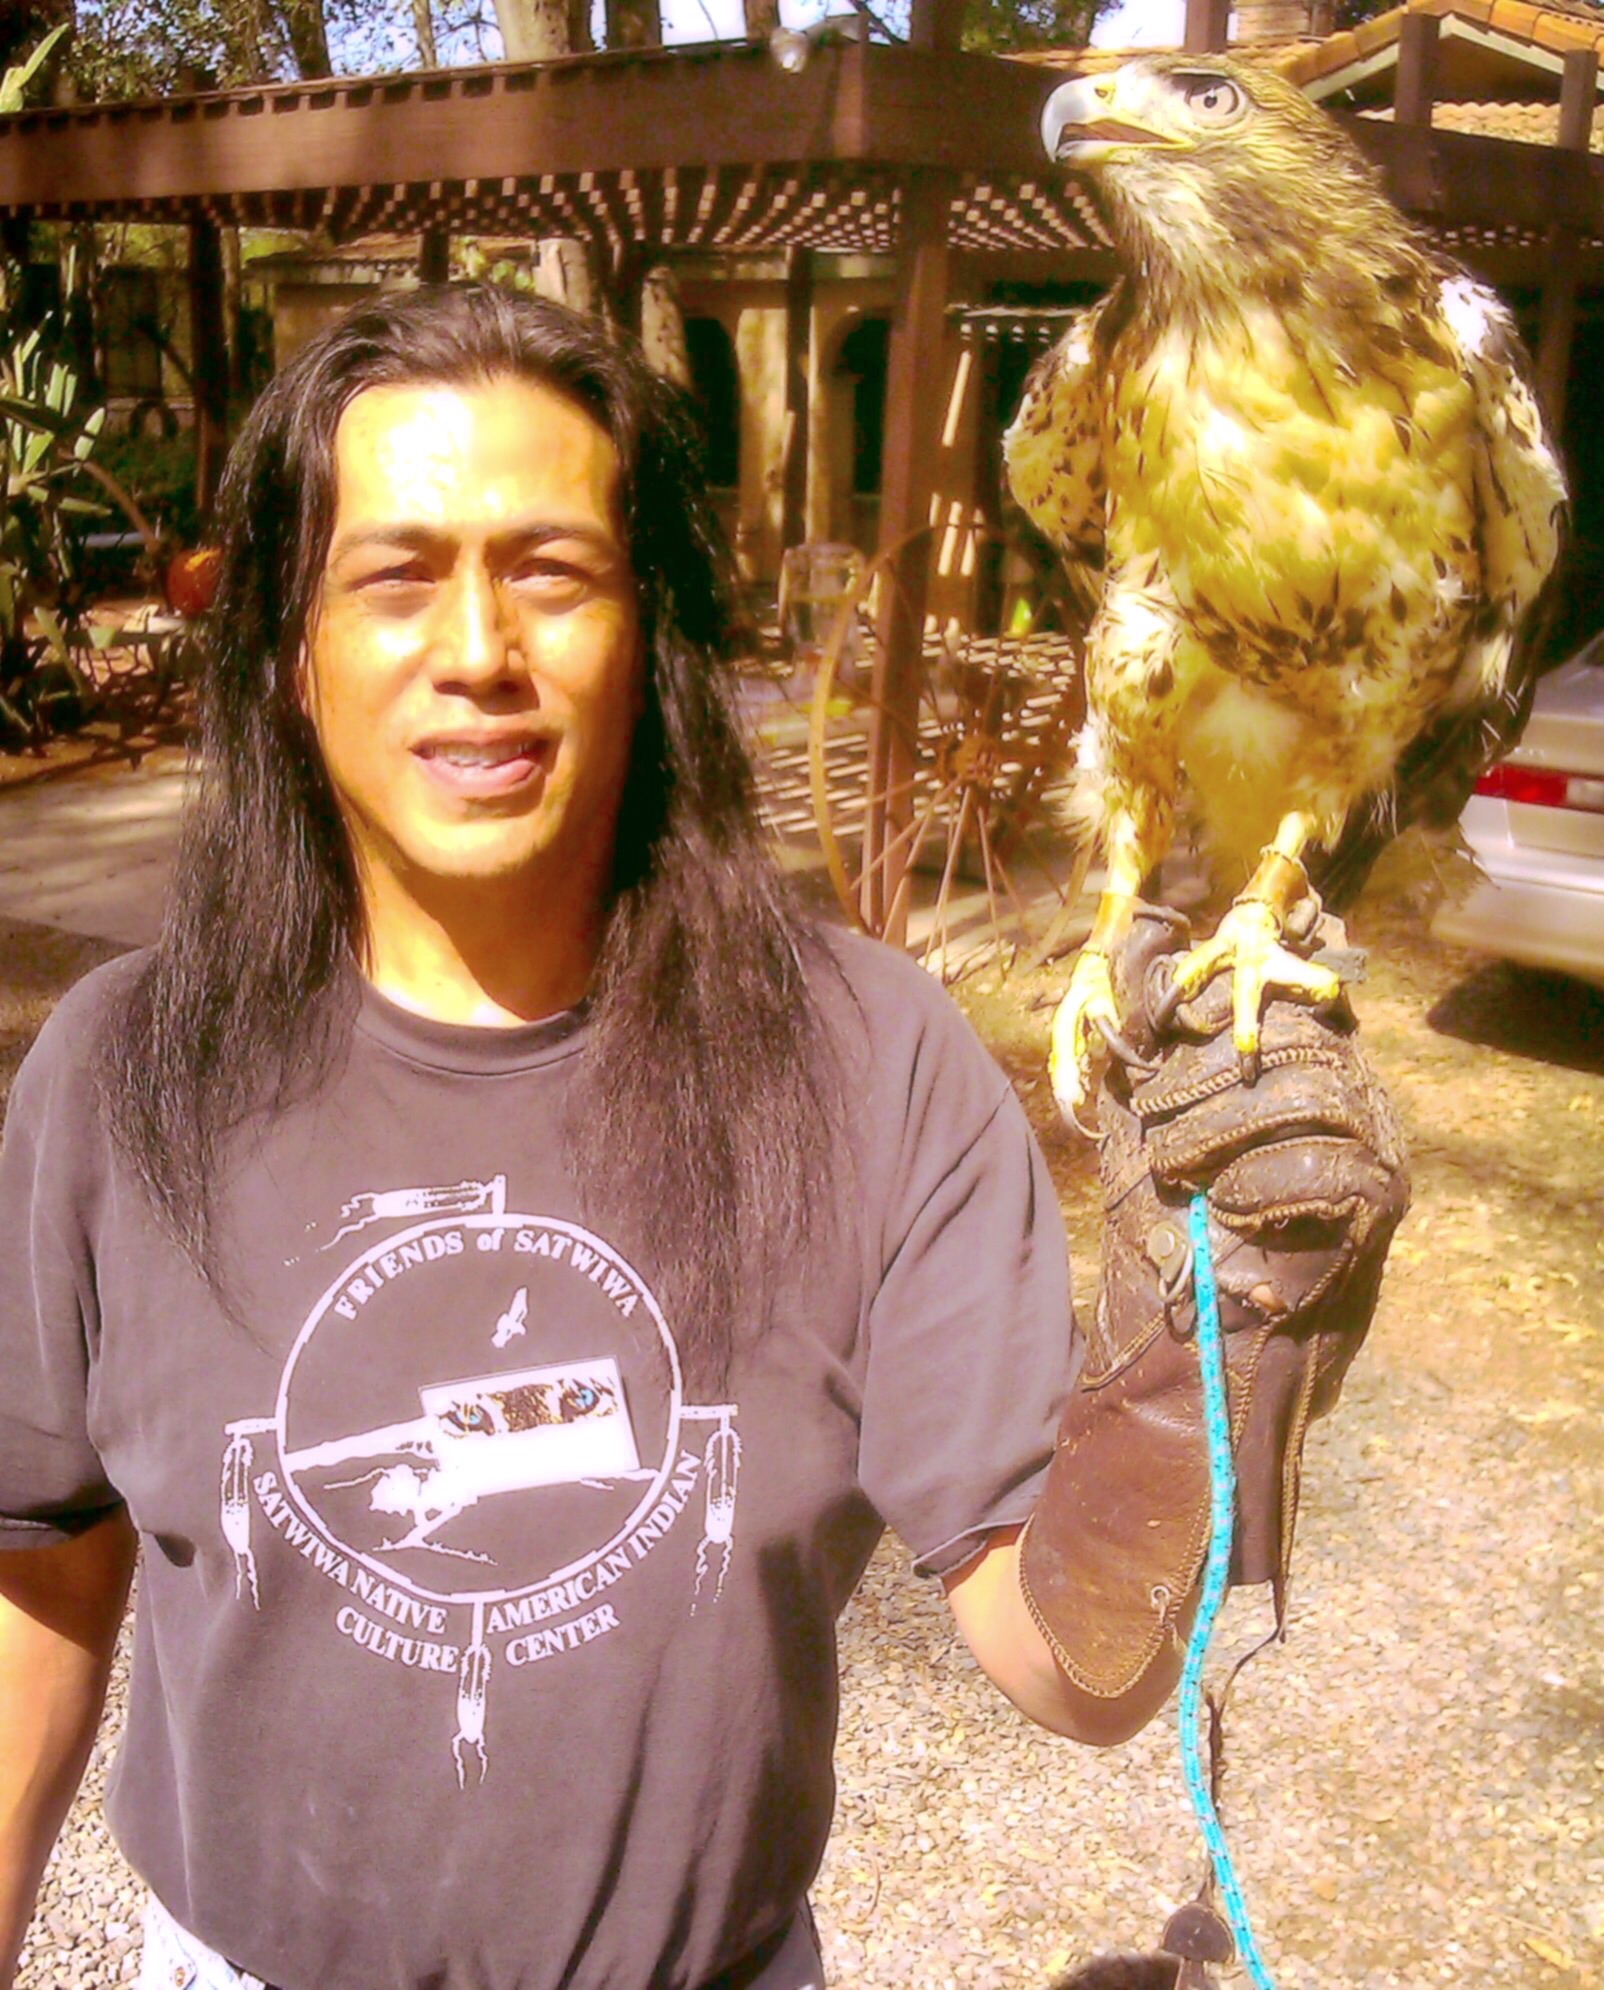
(1054, 450)
(1520, 487)
(1521, 515)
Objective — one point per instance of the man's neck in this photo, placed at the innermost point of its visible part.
(485, 958)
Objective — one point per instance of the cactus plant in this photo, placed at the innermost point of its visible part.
(50, 490)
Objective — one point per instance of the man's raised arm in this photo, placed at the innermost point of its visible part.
(1082, 1616)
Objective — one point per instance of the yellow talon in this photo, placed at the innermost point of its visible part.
(1076, 1037)
(1248, 942)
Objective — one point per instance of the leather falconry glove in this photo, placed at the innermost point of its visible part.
(1304, 1176)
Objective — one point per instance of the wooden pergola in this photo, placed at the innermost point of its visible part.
(921, 151)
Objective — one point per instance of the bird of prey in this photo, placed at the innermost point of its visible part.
(511, 1324)
(1298, 457)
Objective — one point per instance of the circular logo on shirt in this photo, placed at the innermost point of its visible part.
(480, 1437)
(480, 1405)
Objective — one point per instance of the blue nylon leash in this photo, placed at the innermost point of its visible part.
(1222, 1505)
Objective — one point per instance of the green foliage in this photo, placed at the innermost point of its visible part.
(993, 27)
(51, 492)
(135, 48)
(472, 262)
(140, 48)
(14, 83)
(158, 473)
(42, 631)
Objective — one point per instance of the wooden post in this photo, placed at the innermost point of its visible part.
(1578, 95)
(990, 480)
(623, 272)
(434, 256)
(1208, 26)
(907, 485)
(239, 383)
(1416, 89)
(936, 24)
(633, 24)
(208, 359)
(798, 326)
(906, 488)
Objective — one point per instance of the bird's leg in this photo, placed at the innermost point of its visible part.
(1088, 1016)
(1248, 942)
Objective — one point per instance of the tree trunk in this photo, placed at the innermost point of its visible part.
(254, 38)
(534, 30)
(762, 18)
(563, 273)
(662, 326)
(423, 28)
(307, 35)
(634, 24)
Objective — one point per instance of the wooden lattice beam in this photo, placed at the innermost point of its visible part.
(715, 150)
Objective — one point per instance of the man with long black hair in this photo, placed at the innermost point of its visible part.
(502, 1262)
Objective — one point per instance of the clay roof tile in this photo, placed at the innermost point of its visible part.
(1515, 18)
(1371, 35)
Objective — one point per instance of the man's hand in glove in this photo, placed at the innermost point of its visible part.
(1305, 1182)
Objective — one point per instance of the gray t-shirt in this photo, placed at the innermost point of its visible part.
(476, 1645)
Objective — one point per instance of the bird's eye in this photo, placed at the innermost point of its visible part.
(1213, 100)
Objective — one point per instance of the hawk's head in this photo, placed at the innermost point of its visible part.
(1204, 109)
(1214, 164)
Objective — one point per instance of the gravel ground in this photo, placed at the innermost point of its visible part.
(1413, 1788)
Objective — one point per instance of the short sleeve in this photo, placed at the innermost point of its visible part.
(52, 1482)
(972, 1341)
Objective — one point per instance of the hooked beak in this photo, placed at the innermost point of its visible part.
(1078, 129)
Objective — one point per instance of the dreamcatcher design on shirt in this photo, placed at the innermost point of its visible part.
(493, 1512)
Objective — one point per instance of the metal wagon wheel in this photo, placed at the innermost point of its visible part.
(980, 867)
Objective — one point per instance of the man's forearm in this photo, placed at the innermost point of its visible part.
(1017, 1653)
(1278, 1191)
(59, 1613)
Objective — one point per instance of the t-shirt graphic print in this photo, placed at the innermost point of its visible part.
(480, 1433)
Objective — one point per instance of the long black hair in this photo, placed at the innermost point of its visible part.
(708, 1092)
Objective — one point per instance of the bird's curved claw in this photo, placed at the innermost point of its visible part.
(1164, 998)
(1078, 1034)
(1072, 1114)
(1122, 1048)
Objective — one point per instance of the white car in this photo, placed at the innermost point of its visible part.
(1536, 825)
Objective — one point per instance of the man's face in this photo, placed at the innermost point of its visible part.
(473, 672)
